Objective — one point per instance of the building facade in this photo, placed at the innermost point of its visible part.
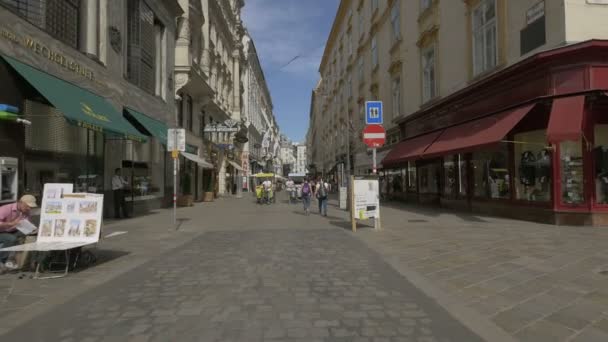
(301, 159)
(257, 108)
(503, 106)
(94, 78)
(208, 92)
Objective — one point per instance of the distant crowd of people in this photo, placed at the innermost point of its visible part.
(309, 189)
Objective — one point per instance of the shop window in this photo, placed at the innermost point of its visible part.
(428, 178)
(484, 36)
(600, 159)
(455, 176)
(462, 175)
(143, 168)
(449, 176)
(59, 152)
(491, 174)
(395, 181)
(532, 167)
(572, 177)
(411, 176)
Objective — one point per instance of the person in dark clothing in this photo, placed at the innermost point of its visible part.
(119, 185)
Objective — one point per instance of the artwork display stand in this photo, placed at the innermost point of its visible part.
(67, 221)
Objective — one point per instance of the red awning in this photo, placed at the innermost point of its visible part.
(409, 149)
(477, 133)
(566, 120)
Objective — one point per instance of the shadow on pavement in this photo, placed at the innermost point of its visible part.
(430, 211)
(348, 226)
(180, 222)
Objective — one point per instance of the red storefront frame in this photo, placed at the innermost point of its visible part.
(575, 70)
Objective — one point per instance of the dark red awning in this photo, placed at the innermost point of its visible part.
(409, 149)
(566, 120)
(477, 133)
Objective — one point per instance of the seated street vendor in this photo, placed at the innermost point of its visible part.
(10, 216)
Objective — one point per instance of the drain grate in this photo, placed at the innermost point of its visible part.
(417, 221)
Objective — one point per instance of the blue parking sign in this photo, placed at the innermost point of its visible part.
(373, 113)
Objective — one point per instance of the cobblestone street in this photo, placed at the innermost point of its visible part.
(255, 285)
(236, 271)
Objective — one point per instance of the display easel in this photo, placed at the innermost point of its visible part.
(370, 199)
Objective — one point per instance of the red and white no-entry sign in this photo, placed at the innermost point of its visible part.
(374, 136)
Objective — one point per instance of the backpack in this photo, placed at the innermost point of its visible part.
(306, 189)
(322, 190)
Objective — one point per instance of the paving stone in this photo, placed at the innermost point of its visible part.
(544, 331)
(577, 315)
(514, 319)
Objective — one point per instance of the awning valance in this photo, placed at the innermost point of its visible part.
(409, 149)
(235, 165)
(566, 120)
(477, 133)
(156, 128)
(79, 106)
(200, 161)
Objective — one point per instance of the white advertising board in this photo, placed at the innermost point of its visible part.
(343, 195)
(366, 199)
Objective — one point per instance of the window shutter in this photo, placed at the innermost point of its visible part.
(148, 48)
(133, 41)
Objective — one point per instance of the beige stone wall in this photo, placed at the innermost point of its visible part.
(447, 26)
(586, 19)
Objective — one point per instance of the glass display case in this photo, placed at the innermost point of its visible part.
(571, 160)
(8, 180)
(139, 177)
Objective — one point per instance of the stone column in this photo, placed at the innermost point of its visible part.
(236, 88)
(89, 36)
(206, 58)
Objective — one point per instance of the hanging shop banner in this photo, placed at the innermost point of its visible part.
(69, 217)
(366, 199)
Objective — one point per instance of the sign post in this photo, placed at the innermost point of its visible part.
(176, 142)
(374, 136)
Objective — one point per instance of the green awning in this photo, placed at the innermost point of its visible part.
(79, 106)
(156, 128)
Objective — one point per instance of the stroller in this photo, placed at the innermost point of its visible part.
(264, 196)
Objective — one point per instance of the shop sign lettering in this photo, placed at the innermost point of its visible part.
(52, 55)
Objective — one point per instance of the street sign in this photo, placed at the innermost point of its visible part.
(373, 113)
(176, 139)
(374, 136)
(220, 128)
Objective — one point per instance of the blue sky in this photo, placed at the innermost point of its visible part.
(282, 30)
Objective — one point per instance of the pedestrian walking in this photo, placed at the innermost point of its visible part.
(306, 194)
(119, 184)
(291, 190)
(321, 194)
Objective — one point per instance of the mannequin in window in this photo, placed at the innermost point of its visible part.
(527, 172)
